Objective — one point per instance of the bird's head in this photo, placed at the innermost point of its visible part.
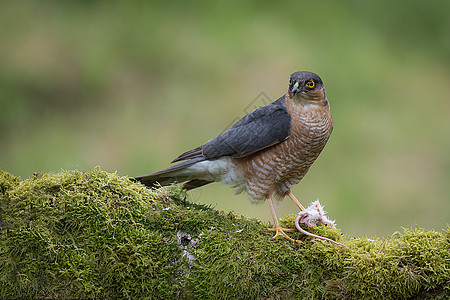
(307, 87)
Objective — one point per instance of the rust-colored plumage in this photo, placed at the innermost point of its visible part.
(265, 153)
(281, 166)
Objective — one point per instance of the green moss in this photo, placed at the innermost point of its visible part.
(92, 235)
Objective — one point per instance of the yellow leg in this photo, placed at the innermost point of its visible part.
(295, 200)
(279, 231)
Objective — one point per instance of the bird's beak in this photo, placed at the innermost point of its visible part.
(295, 88)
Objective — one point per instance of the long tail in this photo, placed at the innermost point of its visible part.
(174, 174)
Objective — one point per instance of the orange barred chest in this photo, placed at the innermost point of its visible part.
(280, 167)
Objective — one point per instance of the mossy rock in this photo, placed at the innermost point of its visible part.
(99, 235)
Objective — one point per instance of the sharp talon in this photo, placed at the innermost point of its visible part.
(281, 232)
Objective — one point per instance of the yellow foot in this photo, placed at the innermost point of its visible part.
(282, 232)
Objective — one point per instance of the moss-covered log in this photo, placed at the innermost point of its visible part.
(98, 235)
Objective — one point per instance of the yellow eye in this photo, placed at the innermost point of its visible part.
(310, 84)
(290, 81)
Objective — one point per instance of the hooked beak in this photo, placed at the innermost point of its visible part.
(295, 88)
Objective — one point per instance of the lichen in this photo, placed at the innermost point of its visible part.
(99, 235)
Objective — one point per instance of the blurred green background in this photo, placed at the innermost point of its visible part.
(130, 85)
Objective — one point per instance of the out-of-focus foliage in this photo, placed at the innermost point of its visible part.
(130, 85)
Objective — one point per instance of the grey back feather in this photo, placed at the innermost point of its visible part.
(260, 129)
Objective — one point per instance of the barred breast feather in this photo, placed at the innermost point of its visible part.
(280, 167)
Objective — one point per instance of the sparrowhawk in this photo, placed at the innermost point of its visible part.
(266, 152)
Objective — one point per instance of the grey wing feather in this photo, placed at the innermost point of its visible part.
(194, 153)
(169, 175)
(260, 129)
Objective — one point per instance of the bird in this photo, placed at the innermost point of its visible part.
(265, 153)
